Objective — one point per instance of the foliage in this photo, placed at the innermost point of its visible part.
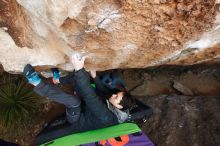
(19, 104)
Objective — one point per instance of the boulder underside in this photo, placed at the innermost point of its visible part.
(113, 33)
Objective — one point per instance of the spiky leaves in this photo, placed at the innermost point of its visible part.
(18, 103)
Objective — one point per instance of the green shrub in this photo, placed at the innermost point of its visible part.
(19, 105)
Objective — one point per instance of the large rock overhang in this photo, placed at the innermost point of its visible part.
(113, 33)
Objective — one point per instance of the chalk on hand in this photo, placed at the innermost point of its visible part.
(81, 55)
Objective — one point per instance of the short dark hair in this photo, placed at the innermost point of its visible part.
(127, 101)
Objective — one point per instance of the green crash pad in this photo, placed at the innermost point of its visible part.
(94, 135)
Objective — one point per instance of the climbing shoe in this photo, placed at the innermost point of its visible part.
(31, 75)
(56, 75)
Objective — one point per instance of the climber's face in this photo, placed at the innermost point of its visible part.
(115, 99)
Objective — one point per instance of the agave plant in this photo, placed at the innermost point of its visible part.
(18, 102)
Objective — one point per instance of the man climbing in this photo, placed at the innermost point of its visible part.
(94, 110)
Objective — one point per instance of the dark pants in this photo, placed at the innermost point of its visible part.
(5, 143)
(71, 102)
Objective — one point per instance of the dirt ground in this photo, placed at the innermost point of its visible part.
(185, 101)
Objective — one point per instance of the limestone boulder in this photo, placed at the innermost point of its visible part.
(112, 33)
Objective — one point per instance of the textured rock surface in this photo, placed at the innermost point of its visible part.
(115, 33)
(183, 120)
(196, 80)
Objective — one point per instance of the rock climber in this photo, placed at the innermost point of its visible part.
(90, 108)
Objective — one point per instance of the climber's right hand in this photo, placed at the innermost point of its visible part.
(78, 63)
